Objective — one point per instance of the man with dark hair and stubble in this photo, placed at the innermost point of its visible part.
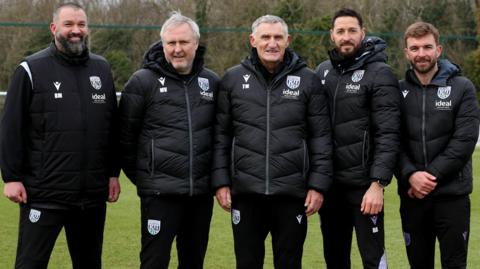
(58, 141)
(364, 106)
(440, 120)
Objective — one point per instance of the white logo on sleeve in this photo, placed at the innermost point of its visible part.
(405, 92)
(235, 216)
(246, 77)
(34, 215)
(299, 219)
(153, 226)
(325, 73)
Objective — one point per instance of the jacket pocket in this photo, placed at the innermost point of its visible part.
(152, 157)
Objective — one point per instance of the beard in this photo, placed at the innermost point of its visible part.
(72, 48)
(350, 51)
(432, 62)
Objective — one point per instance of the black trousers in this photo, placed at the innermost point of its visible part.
(425, 220)
(39, 229)
(341, 213)
(166, 217)
(254, 216)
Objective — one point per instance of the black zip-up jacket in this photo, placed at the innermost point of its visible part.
(272, 134)
(439, 130)
(166, 125)
(364, 103)
(58, 135)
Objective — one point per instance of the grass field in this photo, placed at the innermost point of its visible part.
(122, 235)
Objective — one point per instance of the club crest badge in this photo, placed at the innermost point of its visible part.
(293, 82)
(406, 237)
(153, 226)
(444, 92)
(358, 75)
(203, 84)
(34, 215)
(235, 216)
(96, 82)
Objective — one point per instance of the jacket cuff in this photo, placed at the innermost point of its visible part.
(220, 178)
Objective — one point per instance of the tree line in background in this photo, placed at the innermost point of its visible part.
(226, 25)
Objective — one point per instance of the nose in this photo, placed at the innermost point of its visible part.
(178, 47)
(76, 29)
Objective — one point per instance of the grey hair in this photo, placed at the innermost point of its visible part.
(176, 18)
(269, 19)
(73, 5)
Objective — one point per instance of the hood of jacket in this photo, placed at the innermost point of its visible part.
(154, 59)
(446, 70)
(372, 50)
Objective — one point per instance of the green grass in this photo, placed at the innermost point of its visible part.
(122, 235)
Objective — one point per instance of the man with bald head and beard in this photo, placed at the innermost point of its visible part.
(440, 119)
(57, 153)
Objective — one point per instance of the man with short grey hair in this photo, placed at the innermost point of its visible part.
(272, 159)
(167, 114)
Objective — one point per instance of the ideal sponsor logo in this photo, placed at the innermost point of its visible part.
(352, 88)
(290, 94)
(443, 105)
(99, 98)
(207, 95)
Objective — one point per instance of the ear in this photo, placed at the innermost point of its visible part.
(289, 40)
(405, 51)
(53, 27)
(439, 50)
(331, 35)
(252, 40)
(363, 32)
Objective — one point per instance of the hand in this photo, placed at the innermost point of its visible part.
(15, 191)
(224, 198)
(412, 193)
(313, 202)
(113, 189)
(422, 182)
(372, 202)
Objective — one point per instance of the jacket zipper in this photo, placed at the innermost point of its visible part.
(232, 158)
(267, 148)
(305, 154)
(334, 105)
(424, 145)
(364, 147)
(190, 139)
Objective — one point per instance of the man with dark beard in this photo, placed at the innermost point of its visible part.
(440, 119)
(364, 105)
(57, 145)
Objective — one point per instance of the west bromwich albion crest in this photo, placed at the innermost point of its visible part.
(235, 216)
(293, 82)
(34, 215)
(96, 82)
(357, 75)
(444, 92)
(153, 226)
(203, 83)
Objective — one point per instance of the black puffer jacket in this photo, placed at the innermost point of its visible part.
(272, 136)
(439, 130)
(58, 134)
(364, 103)
(166, 125)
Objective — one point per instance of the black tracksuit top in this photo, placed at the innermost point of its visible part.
(440, 124)
(272, 137)
(58, 126)
(166, 127)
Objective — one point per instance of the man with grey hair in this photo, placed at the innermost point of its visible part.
(167, 114)
(58, 145)
(272, 158)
